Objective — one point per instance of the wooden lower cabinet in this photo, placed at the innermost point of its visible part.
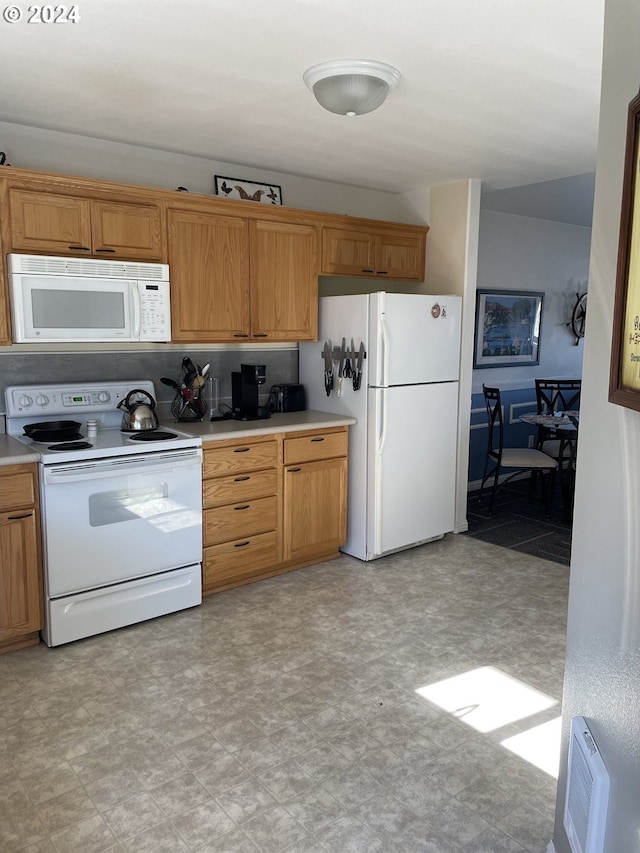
(272, 504)
(315, 499)
(20, 568)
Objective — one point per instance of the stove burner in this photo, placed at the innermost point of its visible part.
(70, 445)
(71, 439)
(153, 435)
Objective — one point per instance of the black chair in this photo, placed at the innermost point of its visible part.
(557, 395)
(516, 460)
(554, 396)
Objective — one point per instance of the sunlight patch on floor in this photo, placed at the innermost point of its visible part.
(539, 746)
(486, 698)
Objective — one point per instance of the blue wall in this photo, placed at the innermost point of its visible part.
(515, 402)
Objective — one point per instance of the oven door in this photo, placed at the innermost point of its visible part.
(112, 520)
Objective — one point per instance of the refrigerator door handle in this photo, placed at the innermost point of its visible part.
(381, 434)
(383, 363)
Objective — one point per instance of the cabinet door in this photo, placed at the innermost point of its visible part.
(347, 252)
(315, 502)
(126, 231)
(20, 598)
(400, 256)
(284, 281)
(44, 222)
(209, 260)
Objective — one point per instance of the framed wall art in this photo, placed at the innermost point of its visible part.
(508, 324)
(624, 377)
(238, 188)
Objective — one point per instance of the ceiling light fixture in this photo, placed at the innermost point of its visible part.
(351, 87)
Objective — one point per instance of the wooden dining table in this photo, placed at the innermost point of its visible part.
(562, 427)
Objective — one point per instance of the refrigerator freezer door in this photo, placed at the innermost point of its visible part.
(412, 465)
(413, 338)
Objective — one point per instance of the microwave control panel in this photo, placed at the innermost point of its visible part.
(155, 311)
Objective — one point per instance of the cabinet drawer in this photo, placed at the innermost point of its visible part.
(310, 447)
(240, 559)
(18, 487)
(240, 457)
(239, 487)
(224, 523)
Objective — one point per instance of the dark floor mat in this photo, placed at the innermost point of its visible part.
(519, 522)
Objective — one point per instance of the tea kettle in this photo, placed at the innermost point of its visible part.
(138, 415)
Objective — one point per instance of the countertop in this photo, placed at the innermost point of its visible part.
(286, 422)
(13, 452)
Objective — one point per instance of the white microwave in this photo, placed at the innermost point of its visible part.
(57, 300)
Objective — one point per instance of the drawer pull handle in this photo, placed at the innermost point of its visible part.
(294, 470)
(105, 250)
(367, 270)
(317, 439)
(242, 449)
(240, 335)
(240, 479)
(260, 335)
(246, 506)
(242, 544)
(382, 272)
(79, 248)
(18, 517)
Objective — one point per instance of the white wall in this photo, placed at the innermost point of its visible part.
(451, 268)
(66, 153)
(521, 253)
(603, 638)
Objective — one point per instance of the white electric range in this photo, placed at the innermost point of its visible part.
(121, 517)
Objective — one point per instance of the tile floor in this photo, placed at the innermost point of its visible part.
(283, 716)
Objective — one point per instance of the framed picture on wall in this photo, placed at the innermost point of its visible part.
(624, 376)
(508, 324)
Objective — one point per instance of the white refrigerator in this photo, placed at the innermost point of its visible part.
(402, 449)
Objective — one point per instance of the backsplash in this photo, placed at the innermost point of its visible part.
(58, 367)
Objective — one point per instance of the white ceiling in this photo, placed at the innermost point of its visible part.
(506, 91)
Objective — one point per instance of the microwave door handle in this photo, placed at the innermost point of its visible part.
(135, 299)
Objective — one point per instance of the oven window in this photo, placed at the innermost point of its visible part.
(77, 309)
(119, 505)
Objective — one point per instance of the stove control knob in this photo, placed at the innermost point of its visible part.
(25, 401)
(41, 400)
(104, 397)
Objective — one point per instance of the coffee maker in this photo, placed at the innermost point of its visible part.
(244, 392)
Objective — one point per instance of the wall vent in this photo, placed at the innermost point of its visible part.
(585, 807)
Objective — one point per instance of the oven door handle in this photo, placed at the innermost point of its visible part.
(106, 470)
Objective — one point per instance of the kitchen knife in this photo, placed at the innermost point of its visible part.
(357, 375)
(328, 368)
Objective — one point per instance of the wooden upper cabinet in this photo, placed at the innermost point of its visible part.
(347, 252)
(358, 252)
(400, 256)
(284, 281)
(42, 222)
(69, 225)
(209, 262)
(126, 230)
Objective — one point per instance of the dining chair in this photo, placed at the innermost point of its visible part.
(556, 395)
(515, 460)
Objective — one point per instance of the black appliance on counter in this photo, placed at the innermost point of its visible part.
(244, 393)
(288, 397)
